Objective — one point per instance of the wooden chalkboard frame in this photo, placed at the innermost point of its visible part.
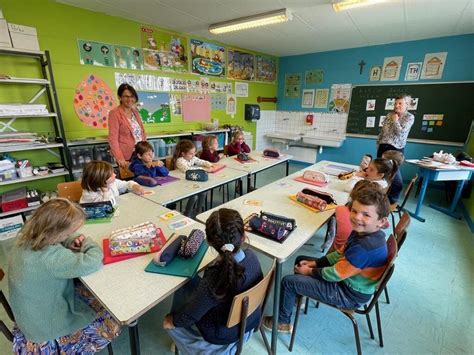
(452, 99)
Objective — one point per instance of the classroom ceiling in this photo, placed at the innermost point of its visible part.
(315, 26)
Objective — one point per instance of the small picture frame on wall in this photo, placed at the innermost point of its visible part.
(375, 73)
(307, 98)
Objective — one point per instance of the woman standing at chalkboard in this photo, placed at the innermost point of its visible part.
(395, 129)
(393, 137)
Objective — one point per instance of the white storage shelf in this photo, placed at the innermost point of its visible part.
(32, 178)
(32, 147)
(10, 213)
(24, 81)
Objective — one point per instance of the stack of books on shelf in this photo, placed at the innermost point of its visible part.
(19, 140)
(22, 109)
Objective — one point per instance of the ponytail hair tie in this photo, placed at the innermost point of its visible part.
(228, 247)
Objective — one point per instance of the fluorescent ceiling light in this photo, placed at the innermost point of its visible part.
(351, 4)
(243, 23)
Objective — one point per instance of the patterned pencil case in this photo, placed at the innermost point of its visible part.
(169, 251)
(323, 195)
(191, 244)
(131, 240)
(96, 210)
(242, 156)
(197, 175)
(315, 176)
(271, 230)
(272, 153)
(285, 222)
(346, 176)
(311, 201)
(146, 181)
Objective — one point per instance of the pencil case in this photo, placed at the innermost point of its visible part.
(98, 209)
(272, 153)
(191, 244)
(311, 201)
(169, 251)
(272, 230)
(146, 181)
(346, 176)
(285, 222)
(131, 240)
(242, 156)
(323, 195)
(197, 175)
(316, 176)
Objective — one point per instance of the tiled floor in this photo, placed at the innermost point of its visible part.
(431, 292)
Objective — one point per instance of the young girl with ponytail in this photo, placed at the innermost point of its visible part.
(197, 322)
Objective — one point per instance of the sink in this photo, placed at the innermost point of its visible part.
(284, 136)
(324, 141)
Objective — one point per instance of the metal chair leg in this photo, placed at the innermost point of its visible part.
(306, 305)
(265, 341)
(387, 299)
(110, 349)
(295, 324)
(369, 324)
(379, 323)
(356, 332)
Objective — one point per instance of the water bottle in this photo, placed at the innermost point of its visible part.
(162, 148)
(156, 146)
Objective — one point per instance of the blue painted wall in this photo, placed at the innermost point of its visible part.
(342, 67)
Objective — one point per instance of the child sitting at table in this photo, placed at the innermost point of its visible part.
(396, 186)
(209, 150)
(100, 184)
(184, 158)
(237, 145)
(143, 163)
(380, 171)
(197, 322)
(53, 315)
(344, 279)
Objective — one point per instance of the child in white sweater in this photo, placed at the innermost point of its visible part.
(184, 159)
(100, 184)
(379, 170)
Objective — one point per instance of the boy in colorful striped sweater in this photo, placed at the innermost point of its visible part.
(344, 279)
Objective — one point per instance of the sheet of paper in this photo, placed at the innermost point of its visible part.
(169, 215)
(180, 224)
(253, 202)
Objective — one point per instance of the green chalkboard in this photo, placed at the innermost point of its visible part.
(455, 101)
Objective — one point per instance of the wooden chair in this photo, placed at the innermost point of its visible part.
(392, 254)
(125, 173)
(396, 208)
(71, 190)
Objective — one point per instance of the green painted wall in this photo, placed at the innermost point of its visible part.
(58, 27)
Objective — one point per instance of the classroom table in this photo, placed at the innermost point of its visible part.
(124, 288)
(259, 164)
(430, 170)
(182, 188)
(274, 199)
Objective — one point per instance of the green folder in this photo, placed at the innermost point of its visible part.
(179, 266)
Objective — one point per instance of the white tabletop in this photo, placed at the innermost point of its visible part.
(183, 188)
(274, 198)
(124, 288)
(260, 163)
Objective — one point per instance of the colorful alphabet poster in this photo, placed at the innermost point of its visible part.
(207, 58)
(240, 65)
(266, 69)
(169, 50)
(93, 100)
(128, 57)
(96, 53)
(154, 107)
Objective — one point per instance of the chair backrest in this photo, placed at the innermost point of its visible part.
(408, 191)
(256, 297)
(402, 225)
(226, 150)
(71, 190)
(125, 173)
(168, 162)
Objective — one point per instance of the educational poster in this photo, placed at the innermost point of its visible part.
(204, 85)
(382, 120)
(430, 122)
(375, 73)
(307, 98)
(266, 70)
(413, 71)
(154, 107)
(391, 68)
(217, 87)
(218, 102)
(170, 48)
(175, 104)
(96, 53)
(340, 98)
(93, 100)
(390, 104)
(178, 85)
(370, 105)
(151, 59)
(231, 104)
(128, 57)
(10, 226)
(196, 107)
(433, 65)
(370, 122)
(144, 82)
(321, 99)
(240, 65)
(207, 58)
(241, 89)
(193, 86)
(412, 104)
(314, 76)
(292, 85)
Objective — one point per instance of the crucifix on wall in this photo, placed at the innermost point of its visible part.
(361, 65)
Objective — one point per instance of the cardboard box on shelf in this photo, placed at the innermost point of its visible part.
(4, 35)
(23, 37)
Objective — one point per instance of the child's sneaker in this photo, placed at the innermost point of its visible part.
(282, 328)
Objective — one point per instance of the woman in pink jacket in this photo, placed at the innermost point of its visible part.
(125, 126)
